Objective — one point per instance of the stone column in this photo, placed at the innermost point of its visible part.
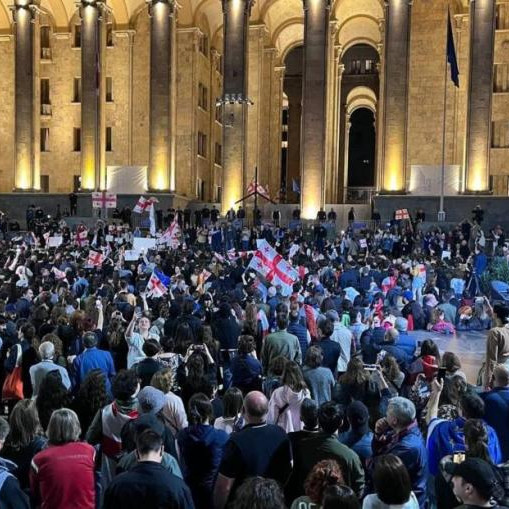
(27, 96)
(348, 125)
(480, 88)
(395, 95)
(235, 64)
(331, 111)
(314, 89)
(93, 129)
(337, 186)
(161, 176)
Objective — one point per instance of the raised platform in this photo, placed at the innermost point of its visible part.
(457, 208)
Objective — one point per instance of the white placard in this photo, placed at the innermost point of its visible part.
(446, 255)
(363, 244)
(54, 241)
(109, 238)
(142, 243)
(131, 255)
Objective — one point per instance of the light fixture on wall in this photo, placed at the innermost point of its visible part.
(233, 99)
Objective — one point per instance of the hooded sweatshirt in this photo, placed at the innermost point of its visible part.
(11, 495)
(201, 450)
(284, 408)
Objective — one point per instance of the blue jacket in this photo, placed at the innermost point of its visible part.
(93, 358)
(407, 343)
(496, 414)
(411, 450)
(447, 437)
(299, 330)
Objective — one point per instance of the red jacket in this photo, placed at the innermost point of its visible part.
(62, 476)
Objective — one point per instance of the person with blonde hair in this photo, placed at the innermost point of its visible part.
(62, 475)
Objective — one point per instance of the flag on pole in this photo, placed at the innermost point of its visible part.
(95, 259)
(171, 235)
(158, 284)
(273, 267)
(152, 216)
(259, 188)
(295, 186)
(451, 52)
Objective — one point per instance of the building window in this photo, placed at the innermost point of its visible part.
(45, 99)
(109, 137)
(202, 144)
(44, 139)
(45, 43)
(500, 134)
(76, 139)
(203, 96)
(219, 64)
(77, 35)
(44, 183)
(501, 78)
(218, 154)
(219, 113)
(204, 45)
(76, 94)
(502, 16)
(200, 189)
(109, 90)
(109, 35)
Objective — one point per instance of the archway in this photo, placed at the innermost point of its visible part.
(361, 149)
(359, 99)
(292, 113)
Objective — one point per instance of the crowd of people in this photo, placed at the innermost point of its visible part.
(225, 390)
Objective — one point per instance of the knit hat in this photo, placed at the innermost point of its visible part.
(332, 314)
(151, 400)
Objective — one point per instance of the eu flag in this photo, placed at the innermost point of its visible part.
(451, 53)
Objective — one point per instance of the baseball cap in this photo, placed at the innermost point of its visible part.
(401, 324)
(151, 400)
(408, 295)
(480, 474)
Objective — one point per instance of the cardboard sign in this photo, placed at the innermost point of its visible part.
(54, 241)
(141, 243)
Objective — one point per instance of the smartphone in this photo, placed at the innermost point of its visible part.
(441, 374)
(370, 367)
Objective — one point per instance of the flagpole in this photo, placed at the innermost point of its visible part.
(441, 211)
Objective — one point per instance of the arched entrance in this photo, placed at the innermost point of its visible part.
(292, 113)
(359, 99)
(361, 149)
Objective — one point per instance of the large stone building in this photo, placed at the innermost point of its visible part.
(341, 97)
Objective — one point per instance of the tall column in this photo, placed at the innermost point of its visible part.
(337, 180)
(27, 96)
(395, 95)
(161, 170)
(331, 111)
(275, 135)
(314, 89)
(93, 129)
(480, 88)
(235, 59)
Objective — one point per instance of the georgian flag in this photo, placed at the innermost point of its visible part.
(171, 235)
(95, 259)
(144, 204)
(258, 187)
(59, 274)
(82, 235)
(158, 284)
(273, 267)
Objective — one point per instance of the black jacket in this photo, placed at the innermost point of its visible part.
(11, 495)
(148, 484)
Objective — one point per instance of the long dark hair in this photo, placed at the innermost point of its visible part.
(24, 424)
(52, 396)
(476, 440)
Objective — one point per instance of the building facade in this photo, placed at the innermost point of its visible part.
(339, 98)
